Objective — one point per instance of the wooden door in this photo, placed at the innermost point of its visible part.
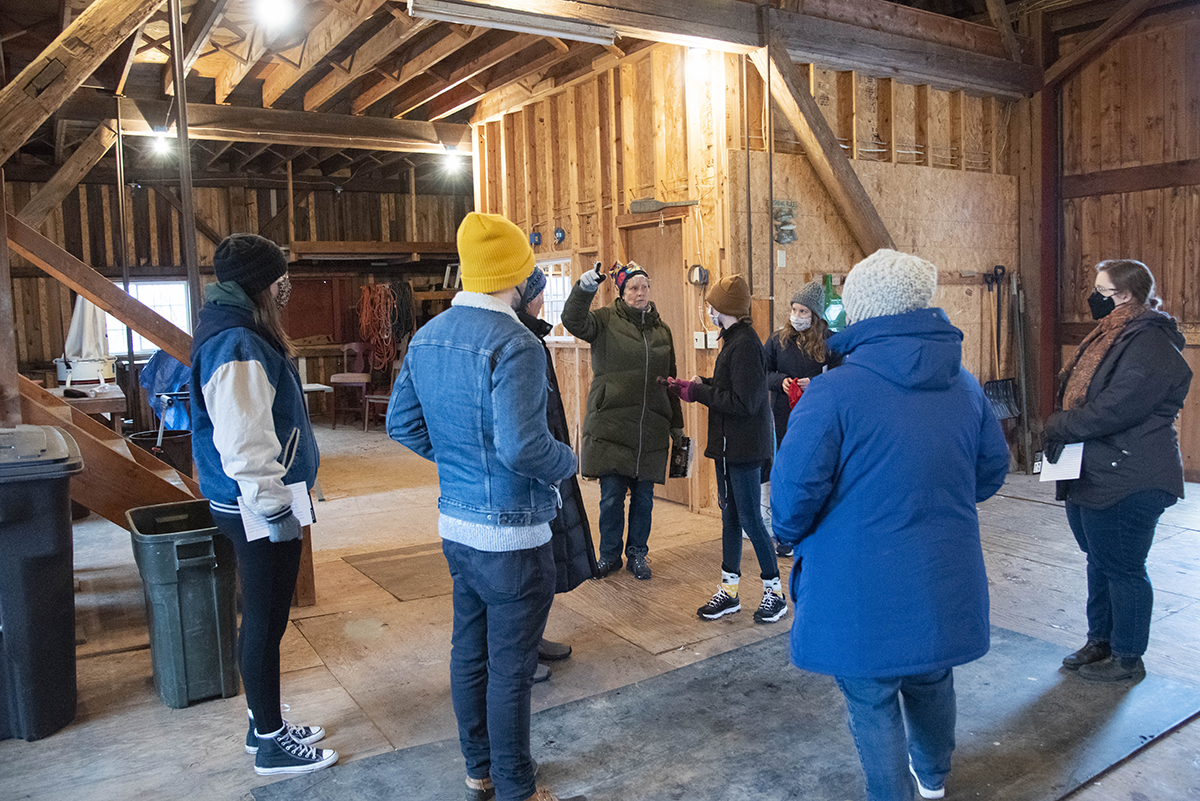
(658, 248)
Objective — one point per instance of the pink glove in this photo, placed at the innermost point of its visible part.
(684, 390)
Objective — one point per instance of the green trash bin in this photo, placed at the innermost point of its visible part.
(187, 570)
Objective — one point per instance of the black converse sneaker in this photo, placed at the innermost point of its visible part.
(285, 754)
(304, 734)
(771, 609)
(720, 605)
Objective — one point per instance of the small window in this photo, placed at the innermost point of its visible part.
(168, 298)
(558, 286)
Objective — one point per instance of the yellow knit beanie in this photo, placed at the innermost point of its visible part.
(493, 253)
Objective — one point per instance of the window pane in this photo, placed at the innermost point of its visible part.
(168, 298)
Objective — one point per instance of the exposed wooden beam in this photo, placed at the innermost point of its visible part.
(10, 401)
(343, 249)
(105, 174)
(822, 148)
(205, 16)
(202, 225)
(1094, 44)
(122, 61)
(499, 77)
(51, 195)
(98, 289)
(246, 58)
(251, 155)
(506, 48)
(365, 58)
(240, 124)
(322, 39)
(215, 156)
(50, 79)
(1133, 179)
(998, 11)
(385, 84)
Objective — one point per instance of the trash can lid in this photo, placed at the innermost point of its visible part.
(29, 452)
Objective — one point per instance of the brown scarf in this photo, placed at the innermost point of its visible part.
(1078, 375)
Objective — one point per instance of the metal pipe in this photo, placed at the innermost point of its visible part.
(187, 217)
(749, 197)
(122, 251)
(770, 172)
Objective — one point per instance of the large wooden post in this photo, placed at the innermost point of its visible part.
(10, 398)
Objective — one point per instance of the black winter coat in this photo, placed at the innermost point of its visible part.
(1127, 423)
(739, 415)
(570, 534)
(787, 362)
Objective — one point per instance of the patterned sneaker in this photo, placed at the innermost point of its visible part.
(304, 734)
(771, 609)
(284, 754)
(720, 605)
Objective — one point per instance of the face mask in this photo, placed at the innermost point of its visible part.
(715, 316)
(285, 292)
(801, 323)
(1101, 306)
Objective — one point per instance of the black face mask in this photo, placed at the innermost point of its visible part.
(1100, 305)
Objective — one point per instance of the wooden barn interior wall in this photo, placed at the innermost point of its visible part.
(668, 124)
(86, 225)
(1136, 108)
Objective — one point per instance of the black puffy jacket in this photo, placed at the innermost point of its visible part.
(1127, 423)
(570, 533)
(788, 361)
(739, 414)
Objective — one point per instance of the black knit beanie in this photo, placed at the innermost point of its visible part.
(250, 260)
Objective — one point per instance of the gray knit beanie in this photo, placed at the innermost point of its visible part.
(888, 282)
(252, 261)
(812, 297)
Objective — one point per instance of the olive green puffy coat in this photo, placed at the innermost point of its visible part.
(629, 414)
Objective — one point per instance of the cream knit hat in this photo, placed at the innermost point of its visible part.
(888, 282)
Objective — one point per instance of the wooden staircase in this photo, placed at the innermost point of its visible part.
(117, 475)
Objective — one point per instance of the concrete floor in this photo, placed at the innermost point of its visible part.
(373, 669)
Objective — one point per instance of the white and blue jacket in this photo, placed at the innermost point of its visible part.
(251, 434)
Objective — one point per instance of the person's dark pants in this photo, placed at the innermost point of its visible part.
(267, 572)
(501, 602)
(612, 515)
(741, 495)
(1117, 541)
(878, 724)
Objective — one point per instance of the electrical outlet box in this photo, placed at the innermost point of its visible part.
(699, 339)
(712, 339)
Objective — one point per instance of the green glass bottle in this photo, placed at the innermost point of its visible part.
(835, 313)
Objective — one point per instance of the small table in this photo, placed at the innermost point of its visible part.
(110, 401)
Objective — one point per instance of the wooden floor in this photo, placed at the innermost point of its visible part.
(372, 668)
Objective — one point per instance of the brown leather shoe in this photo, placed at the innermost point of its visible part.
(1094, 651)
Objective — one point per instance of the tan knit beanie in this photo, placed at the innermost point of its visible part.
(730, 295)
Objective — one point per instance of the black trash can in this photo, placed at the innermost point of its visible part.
(176, 447)
(37, 588)
(187, 570)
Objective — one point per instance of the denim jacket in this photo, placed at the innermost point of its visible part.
(472, 398)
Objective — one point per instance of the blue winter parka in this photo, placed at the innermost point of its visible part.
(876, 482)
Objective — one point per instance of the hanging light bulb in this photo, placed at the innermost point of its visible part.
(275, 14)
(697, 63)
(451, 161)
(160, 143)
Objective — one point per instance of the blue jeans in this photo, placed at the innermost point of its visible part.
(878, 721)
(501, 601)
(612, 515)
(740, 493)
(1117, 541)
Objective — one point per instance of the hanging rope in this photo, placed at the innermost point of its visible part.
(406, 312)
(376, 319)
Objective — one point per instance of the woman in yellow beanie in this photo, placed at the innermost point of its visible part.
(631, 420)
(740, 442)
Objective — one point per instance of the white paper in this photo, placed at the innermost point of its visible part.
(1068, 465)
(256, 525)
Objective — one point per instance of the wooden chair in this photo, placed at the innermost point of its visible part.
(352, 378)
(381, 399)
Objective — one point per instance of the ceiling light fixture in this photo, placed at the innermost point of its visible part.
(466, 13)
(160, 143)
(275, 14)
(450, 161)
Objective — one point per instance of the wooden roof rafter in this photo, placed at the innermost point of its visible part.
(445, 44)
(497, 47)
(205, 16)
